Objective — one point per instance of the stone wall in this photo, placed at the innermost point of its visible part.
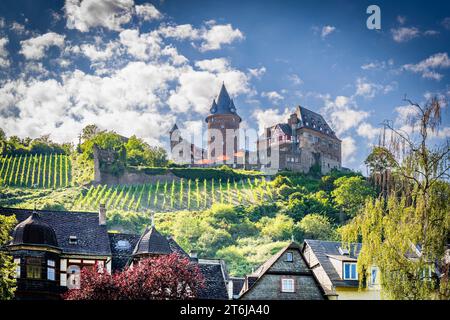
(134, 178)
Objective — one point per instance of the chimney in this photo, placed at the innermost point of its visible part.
(194, 256)
(102, 215)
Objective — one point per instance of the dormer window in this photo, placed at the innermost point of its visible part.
(123, 245)
(343, 252)
(349, 271)
(289, 257)
(73, 240)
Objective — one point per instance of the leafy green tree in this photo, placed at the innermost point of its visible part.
(7, 266)
(315, 226)
(89, 132)
(279, 228)
(350, 193)
(406, 233)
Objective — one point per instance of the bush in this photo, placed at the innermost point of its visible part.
(315, 226)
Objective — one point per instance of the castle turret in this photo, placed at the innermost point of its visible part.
(222, 116)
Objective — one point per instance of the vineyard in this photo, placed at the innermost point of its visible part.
(35, 171)
(175, 195)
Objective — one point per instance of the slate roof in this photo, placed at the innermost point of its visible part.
(34, 231)
(223, 105)
(152, 242)
(92, 237)
(324, 250)
(215, 287)
(310, 118)
(238, 283)
(122, 246)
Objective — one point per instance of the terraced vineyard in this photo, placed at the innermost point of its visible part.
(35, 171)
(175, 195)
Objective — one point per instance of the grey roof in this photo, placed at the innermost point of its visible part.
(174, 128)
(215, 287)
(33, 230)
(314, 121)
(122, 246)
(223, 105)
(92, 237)
(238, 283)
(285, 128)
(152, 242)
(324, 250)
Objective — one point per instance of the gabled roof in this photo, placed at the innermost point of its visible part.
(215, 286)
(314, 121)
(326, 250)
(92, 237)
(152, 242)
(285, 128)
(122, 246)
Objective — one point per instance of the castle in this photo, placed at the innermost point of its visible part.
(304, 142)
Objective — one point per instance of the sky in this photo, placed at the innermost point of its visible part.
(137, 67)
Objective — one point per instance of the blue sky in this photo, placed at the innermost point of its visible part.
(137, 67)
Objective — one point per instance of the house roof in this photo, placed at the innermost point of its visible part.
(152, 242)
(314, 121)
(238, 283)
(33, 230)
(92, 237)
(122, 246)
(324, 250)
(215, 286)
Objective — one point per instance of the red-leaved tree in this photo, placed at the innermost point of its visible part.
(168, 277)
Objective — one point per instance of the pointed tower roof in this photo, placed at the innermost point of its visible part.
(34, 230)
(223, 104)
(174, 128)
(152, 242)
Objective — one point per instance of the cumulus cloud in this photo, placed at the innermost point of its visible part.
(427, 67)
(343, 113)
(257, 72)
(211, 36)
(369, 89)
(273, 96)
(4, 61)
(18, 28)
(295, 79)
(368, 131)
(213, 65)
(110, 14)
(143, 46)
(326, 31)
(348, 148)
(34, 48)
(269, 117)
(147, 12)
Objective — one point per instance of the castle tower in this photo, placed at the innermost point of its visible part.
(222, 116)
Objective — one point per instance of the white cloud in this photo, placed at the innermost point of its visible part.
(366, 130)
(34, 48)
(348, 147)
(342, 113)
(213, 65)
(110, 14)
(273, 96)
(295, 79)
(368, 89)
(404, 34)
(378, 65)
(427, 67)
(257, 72)
(211, 36)
(18, 28)
(269, 117)
(147, 12)
(401, 19)
(327, 30)
(95, 53)
(4, 61)
(142, 46)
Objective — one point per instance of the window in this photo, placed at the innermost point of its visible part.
(34, 268)
(350, 271)
(287, 285)
(289, 257)
(17, 263)
(73, 240)
(51, 270)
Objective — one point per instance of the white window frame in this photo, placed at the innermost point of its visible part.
(18, 271)
(51, 273)
(287, 285)
(350, 277)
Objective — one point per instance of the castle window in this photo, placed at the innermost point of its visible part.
(34, 268)
(51, 270)
(287, 285)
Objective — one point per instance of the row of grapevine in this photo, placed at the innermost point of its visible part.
(35, 171)
(175, 195)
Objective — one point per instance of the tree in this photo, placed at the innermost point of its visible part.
(405, 234)
(166, 277)
(279, 228)
(316, 226)
(7, 266)
(350, 193)
(90, 131)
